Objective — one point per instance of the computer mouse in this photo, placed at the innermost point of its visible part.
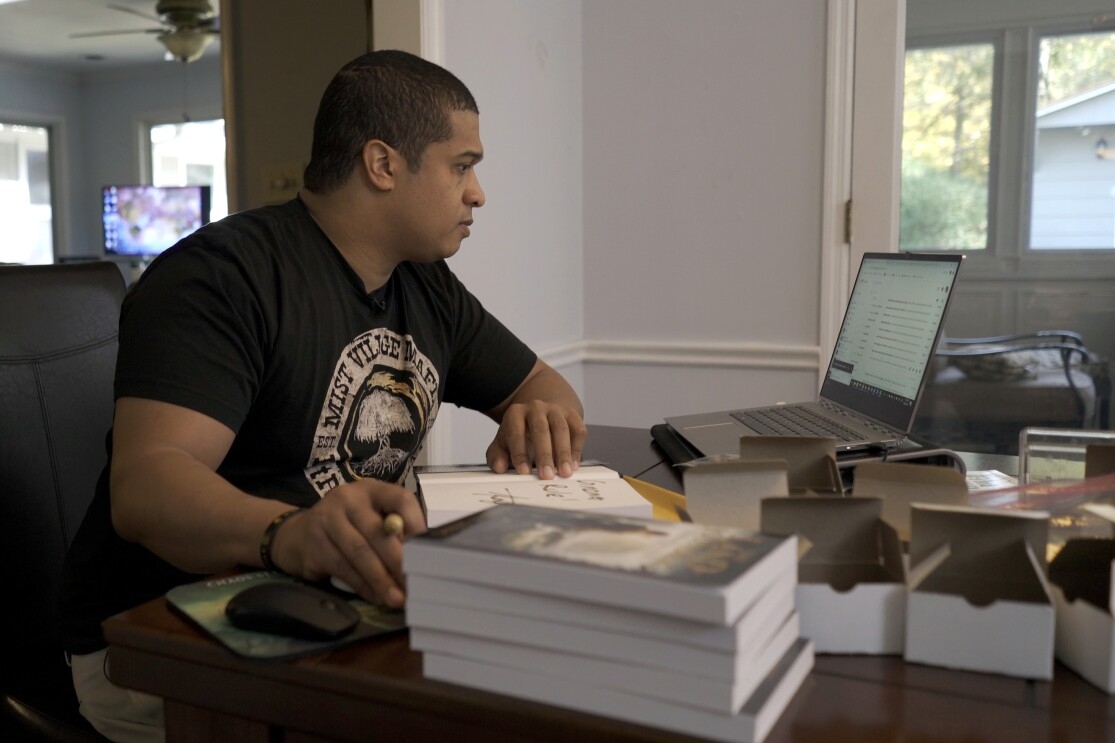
(293, 610)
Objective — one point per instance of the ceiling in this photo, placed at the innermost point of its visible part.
(38, 32)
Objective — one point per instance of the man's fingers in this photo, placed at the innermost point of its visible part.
(541, 435)
(353, 543)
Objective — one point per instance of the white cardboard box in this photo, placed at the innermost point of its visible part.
(851, 581)
(1083, 577)
(730, 491)
(851, 590)
(979, 598)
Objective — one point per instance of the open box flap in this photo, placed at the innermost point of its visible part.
(849, 541)
(1085, 568)
(810, 461)
(900, 485)
(976, 552)
(729, 492)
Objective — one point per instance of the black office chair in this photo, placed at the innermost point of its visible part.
(58, 338)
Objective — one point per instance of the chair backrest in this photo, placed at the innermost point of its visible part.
(58, 340)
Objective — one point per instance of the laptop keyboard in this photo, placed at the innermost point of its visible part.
(789, 420)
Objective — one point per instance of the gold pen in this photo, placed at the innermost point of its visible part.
(393, 525)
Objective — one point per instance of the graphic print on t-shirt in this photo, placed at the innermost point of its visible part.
(382, 399)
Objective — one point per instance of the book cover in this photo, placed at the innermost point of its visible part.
(665, 683)
(204, 603)
(694, 571)
(449, 495)
(750, 725)
(775, 603)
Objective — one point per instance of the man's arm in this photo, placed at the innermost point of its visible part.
(541, 422)
(167, 496)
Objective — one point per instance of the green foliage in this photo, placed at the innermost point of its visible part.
(947, 110)
(1071, 65)
(941, 210)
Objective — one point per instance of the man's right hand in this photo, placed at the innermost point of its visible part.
(343, 537)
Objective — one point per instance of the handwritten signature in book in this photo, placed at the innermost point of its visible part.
(570, 491)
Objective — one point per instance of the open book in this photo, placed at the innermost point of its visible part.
(457, 492)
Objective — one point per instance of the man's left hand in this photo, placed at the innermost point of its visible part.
(546, 435)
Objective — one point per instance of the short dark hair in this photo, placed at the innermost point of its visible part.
(390, 95)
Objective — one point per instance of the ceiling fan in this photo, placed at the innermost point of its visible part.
(186, 26)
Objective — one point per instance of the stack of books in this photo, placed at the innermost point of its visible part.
(686, 627)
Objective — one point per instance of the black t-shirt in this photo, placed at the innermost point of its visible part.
(258, 322)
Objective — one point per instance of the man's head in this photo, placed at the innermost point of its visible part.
(392, 96)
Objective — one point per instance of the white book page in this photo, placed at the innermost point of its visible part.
(454, 494)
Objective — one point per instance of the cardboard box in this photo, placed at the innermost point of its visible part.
(901, 485)
(1083, 578)
(730, 491)
(1082, 575)
(979, 598)
(851, 591)
(851, 580)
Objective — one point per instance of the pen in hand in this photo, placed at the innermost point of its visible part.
(393, 525)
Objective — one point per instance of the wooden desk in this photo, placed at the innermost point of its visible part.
(375, 690)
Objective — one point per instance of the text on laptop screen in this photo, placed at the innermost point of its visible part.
(889, 334)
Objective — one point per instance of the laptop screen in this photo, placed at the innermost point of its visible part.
(891, 327)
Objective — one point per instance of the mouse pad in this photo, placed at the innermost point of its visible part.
(204, 604)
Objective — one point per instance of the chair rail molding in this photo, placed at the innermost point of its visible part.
(736, 355)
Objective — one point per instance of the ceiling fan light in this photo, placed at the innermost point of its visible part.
(185, 46)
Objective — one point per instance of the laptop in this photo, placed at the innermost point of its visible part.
(873, 383)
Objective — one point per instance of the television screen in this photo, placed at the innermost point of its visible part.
(146, 220)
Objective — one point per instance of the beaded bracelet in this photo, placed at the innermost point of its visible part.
(269, 536)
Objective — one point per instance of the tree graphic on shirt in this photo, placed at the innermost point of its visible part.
(380, 415)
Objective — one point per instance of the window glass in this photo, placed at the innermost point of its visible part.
(1073, 195)
(946, 147)
(25, 195)
(191, 153)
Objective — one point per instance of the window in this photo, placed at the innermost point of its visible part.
(946, 148)
(25, 194)
(970, 130)
(1009, 155)
(191, 153)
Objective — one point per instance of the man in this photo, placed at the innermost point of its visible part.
(278, 371)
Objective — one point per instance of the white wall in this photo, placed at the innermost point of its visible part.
(704, 127)
(524, 260)
(653, 175)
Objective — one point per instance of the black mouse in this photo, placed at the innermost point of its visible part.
(293, 610)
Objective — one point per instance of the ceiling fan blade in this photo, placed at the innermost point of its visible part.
(118, 33)
(133, 11)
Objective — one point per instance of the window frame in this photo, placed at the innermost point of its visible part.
(1008, 254)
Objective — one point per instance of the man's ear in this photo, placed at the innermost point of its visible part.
(380, 162)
